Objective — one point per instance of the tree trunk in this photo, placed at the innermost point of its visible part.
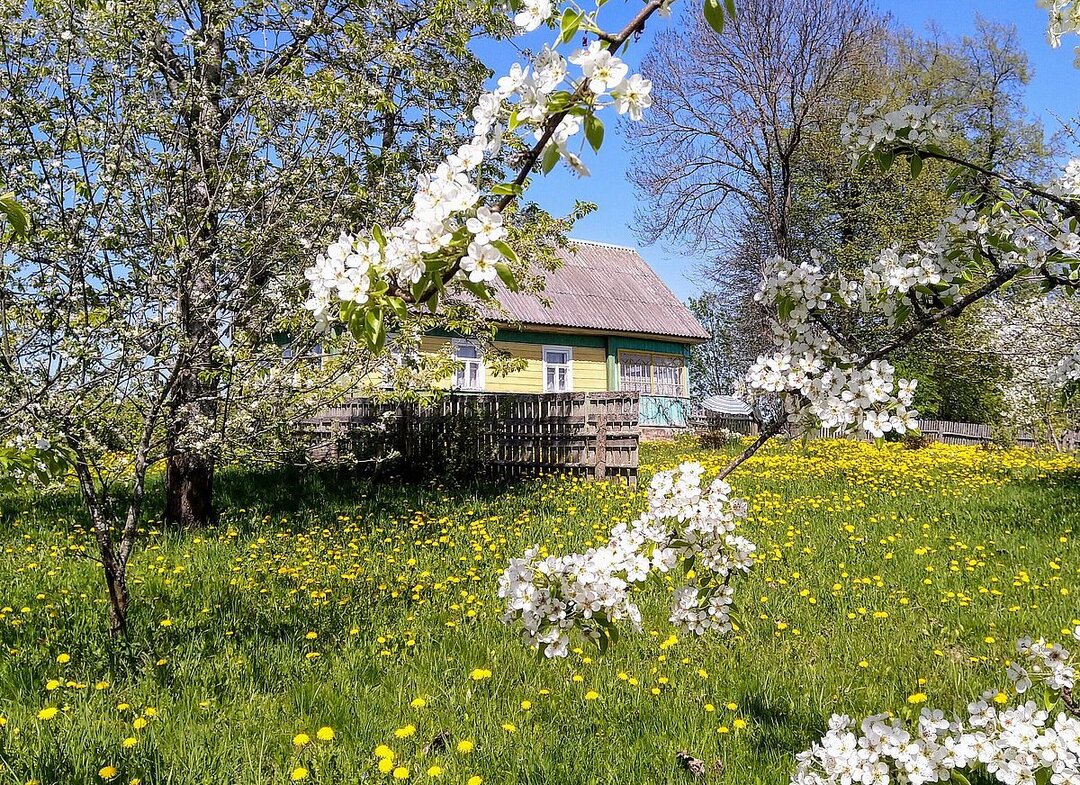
(116, 585)
(189, 490)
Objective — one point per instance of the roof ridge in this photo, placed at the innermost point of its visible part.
(602, 245)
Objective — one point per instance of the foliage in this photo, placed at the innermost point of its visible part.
(323, 601)
(179, 161)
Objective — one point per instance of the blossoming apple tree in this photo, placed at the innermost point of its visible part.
(1010, 232)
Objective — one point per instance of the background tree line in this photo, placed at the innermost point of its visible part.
(741, 158)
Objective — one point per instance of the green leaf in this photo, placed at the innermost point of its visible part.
(401, 310)
(16, 216)
(569, 24)
(508, 189)
(885, 160)
(916, 166)
(959, 778)
(513, 121)
(730, 6)
(784, 308)
(375, 330)
(505, 250)
(377, 233)
(594, 132)
(506, 275)
(551, 157)
(714, 15)
(478, 289)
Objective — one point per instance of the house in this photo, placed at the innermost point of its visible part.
(610, 324)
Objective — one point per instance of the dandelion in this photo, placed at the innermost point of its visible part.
(465, 746)
(386, 765)
(418, 703)
(401, 773)
(63, 658)
(129, 742)
(384, 753)
(301, 740)
(917, 698)
(107, 772)
(48, 713)
(325, 733)
(435, 771)
(474, 780)
(405, 731)
(479, 674)
(299, 773)
(139, 723)
(592, 695)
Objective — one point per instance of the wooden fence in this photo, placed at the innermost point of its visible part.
(594, 434)
(944, 431)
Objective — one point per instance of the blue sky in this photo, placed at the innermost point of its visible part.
(1053, 92)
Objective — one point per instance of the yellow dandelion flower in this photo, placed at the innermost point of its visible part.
(51, 685)
(129, 742)
(325, 733)
(386, 765)
(139, 723)
(592, 695)
(401, 773)
(509, 727)
(62, 658)
(382, 751)
(474, 780)
(479, 674)
(916, 698)
(738, 724)
(418, 703)
(299, 773)
(48, 713)
(301, 740)
(465, 746)
(435, 771)
(107, 772)
(405, 731)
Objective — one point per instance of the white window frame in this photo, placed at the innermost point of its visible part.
(481, 371)
(569, 350)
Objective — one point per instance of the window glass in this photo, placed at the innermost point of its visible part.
(557, 369)
(470, 372)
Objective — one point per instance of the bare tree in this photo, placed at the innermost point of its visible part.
(730, 113)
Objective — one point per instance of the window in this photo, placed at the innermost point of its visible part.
(557, 369)
(652, 374)
(470, 372)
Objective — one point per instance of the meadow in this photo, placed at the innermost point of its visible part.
(333, 630)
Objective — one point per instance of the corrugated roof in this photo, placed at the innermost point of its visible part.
(604, 287)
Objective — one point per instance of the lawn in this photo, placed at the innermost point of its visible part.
(323, 602)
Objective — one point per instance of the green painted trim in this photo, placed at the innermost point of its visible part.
(612, 368)
(553, 339)
(617, 343)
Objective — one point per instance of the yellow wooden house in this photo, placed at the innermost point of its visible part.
(609, 324)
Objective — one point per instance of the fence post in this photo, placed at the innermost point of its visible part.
(600, 470)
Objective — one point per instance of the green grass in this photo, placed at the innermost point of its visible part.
(883, 573)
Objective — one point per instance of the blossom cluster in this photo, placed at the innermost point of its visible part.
(687, 525)
(450, 232)
(1064, 19)
(1021, 744)
(821, 376)
(814, 372)
(870, 128)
